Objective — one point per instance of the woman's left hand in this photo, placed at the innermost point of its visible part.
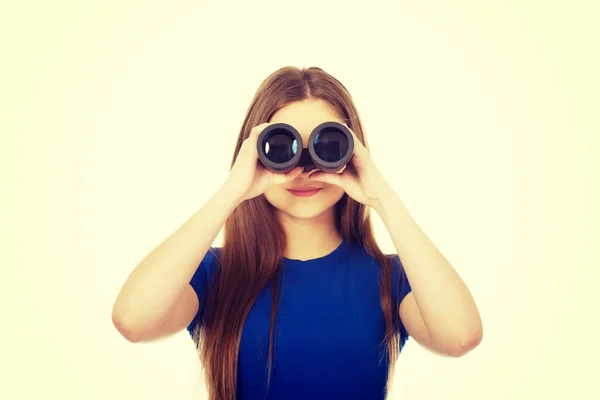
(361, 180)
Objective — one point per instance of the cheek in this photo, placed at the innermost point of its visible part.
(334, 191)
(275, 195)
(330, 195)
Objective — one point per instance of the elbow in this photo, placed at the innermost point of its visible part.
(467, 342)
(125, 327)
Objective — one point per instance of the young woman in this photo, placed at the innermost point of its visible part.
(299, 302)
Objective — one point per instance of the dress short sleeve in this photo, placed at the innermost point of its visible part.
(201, 279)
(400, 288)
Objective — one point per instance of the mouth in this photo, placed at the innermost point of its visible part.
(304, 191)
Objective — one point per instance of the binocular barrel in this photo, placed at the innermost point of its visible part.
(329, 148)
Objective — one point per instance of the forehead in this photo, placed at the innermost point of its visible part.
(305, 115)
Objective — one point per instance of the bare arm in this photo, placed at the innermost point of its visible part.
(156, 298)
(440, 313)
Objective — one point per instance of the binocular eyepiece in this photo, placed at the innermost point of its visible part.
(330, 147)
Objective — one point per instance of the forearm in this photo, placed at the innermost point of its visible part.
(444, 301)
(155, 284)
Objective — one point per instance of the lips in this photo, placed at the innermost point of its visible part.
(304, 189)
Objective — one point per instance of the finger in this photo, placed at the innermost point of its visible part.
(252, 139)
(248, 147)
(254, 132)
(359, 149)
(358, 146)
(326, 177)
(294, 173)
(360, 155)
(278, 179)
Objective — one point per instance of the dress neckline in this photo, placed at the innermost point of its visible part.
(338, 250)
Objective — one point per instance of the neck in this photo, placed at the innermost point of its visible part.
(309, 238)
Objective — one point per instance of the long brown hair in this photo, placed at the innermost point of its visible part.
(252, 251)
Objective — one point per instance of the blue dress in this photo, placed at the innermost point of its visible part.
(329, 330)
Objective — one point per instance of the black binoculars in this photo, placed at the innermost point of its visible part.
(330, 147)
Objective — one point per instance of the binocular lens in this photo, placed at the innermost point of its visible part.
(280, 146)
(331, 145)
(329, 148)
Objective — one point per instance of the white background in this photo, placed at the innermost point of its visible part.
(119, 120)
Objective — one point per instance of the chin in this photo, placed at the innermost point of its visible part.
(304, 207)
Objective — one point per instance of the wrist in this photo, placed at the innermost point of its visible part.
(385, 197)
(230, 193)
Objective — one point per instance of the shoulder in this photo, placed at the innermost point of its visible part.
(211, 260)
(397, 267)
(359, 253)
(213, 254)
(396, 262)
(207, 267)
(400, 284)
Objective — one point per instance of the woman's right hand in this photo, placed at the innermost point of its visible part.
(248, 177)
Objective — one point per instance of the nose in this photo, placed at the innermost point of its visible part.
(309, 168)
(306, 162)
(305, 174)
